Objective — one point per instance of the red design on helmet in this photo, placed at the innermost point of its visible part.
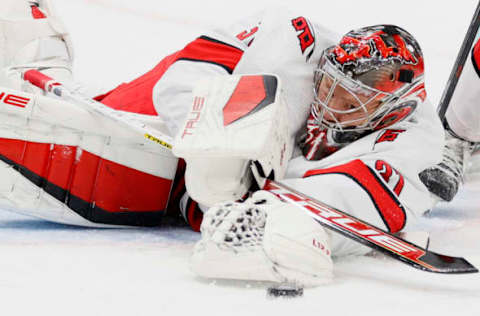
(383, 62)
(375, 47)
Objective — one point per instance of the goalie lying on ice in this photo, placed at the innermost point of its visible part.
(356, 141)
(264, 238)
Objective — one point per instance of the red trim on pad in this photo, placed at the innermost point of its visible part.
(95, 180)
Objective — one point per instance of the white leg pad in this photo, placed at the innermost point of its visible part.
(19, 195)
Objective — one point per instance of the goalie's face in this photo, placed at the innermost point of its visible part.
(344, 104)
(343, 109)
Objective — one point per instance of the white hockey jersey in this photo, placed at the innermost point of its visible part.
(278, 42)
(374, 178)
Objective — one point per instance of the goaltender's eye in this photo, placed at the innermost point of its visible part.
(351, 106)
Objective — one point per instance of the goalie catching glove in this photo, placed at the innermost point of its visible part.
(262, 239)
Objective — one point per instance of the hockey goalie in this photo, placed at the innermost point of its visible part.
(344, 120)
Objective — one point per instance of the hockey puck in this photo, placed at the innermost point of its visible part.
(284, 291)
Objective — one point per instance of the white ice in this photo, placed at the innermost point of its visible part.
(50, 269)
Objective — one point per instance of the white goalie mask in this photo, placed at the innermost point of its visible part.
(360, 84)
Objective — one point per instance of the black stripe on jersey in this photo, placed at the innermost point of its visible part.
(228, 69)
(207, 38)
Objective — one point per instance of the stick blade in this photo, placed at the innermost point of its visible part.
(370, 235)
(446, 264)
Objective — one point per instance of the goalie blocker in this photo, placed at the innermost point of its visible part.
(233, 120)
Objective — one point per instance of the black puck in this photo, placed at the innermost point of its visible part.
(285, 291)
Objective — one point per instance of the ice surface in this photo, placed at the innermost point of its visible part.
(50, 269)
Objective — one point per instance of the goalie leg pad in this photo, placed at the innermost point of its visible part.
(262, 239)
(58, 158)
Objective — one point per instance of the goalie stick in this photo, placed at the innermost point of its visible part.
(369, 235)
(459, 64)
(327, 216)
(51, 86)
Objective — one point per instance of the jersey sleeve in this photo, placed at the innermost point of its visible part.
(382, 168)
(376, 177)
(289, 45)
(277, 42)
(217, 52)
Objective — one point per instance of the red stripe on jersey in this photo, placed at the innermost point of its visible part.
(387, 204)
(106, 184)
(387, 171)
(212, 51)
(476, 57)
(136, 96)
(399, 187)
(37, 13)
(248, 94)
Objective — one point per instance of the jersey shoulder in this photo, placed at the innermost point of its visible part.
(304, 35)
(280, 27)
